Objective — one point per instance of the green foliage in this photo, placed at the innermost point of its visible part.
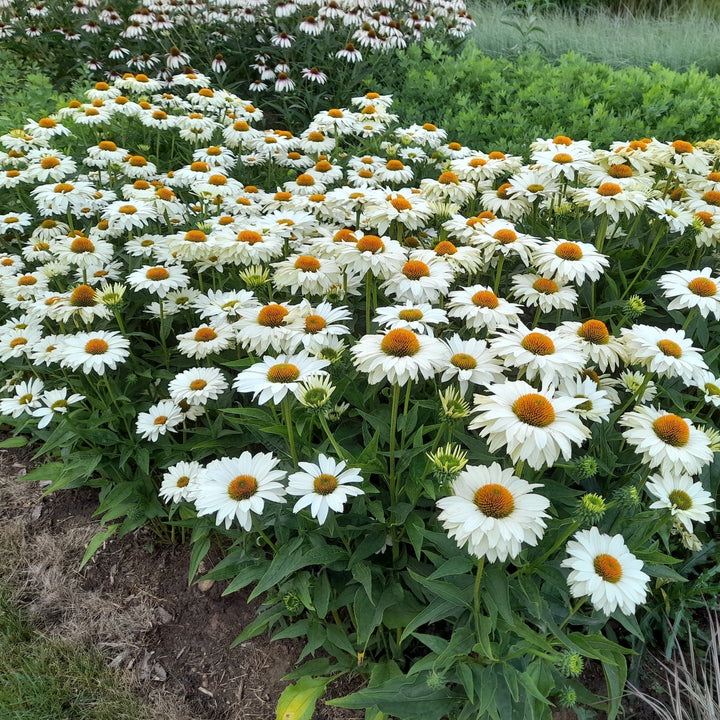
(25, 91)
(502, 104)
(42, 678)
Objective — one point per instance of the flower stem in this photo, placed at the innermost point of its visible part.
(498, 274)
(393, 429)
(262, 534)
(288, 422)
(331, 437)
(575, 608)
(649, 254)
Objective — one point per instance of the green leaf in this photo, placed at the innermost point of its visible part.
(438, 609)
(297, 702)
(362, 573)
(409, 698)
(200, 549)
(14, 442)
(98, 539)
(445, 590)
(50, 472)
(290, 559)
(415, 526)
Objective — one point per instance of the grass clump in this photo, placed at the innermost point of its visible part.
(621, 34)
(43, 678)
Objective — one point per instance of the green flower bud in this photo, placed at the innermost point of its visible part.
(634, 307)
(570, 664)
(591, 508)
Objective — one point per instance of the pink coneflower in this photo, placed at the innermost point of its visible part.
(314, 75)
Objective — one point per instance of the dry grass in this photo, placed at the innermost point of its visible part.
(39, 576)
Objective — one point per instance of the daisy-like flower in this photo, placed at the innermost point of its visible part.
(235, 487)
(595, 405)
(692, 289)
(181, 481)
(266, 327)
(206, 340)
(667, 352)
(494, 512)
(677, 216)
(398, 356)
(610, 199)
(197, 385)
(471, 362)
(27, 398)
(423, 278)
(537, 427)
(158, 279)
(479, 307)
(666, 441)
(54, 402)
(686, 499)
(274, 377)
(323, 486)
(381, 256)
(603, 567)
(93, 351)
(604, 350)
(418, 317)
(320, 324)
(634, 381)
(160, 418)
(538, 291)
(307, 274)
(573, 261)
(541, 353)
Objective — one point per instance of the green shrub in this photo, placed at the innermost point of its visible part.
(502, 104)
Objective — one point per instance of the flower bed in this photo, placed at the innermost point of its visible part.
(448, 413)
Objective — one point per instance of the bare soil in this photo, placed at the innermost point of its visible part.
(169, 640)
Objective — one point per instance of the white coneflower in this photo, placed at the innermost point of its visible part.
(181, 480)
(93, 351)
(418, 317)
(687, 500)
(423, 278)
(54, 403)
(602, 567)
(323, 486)
(398, 356)
(494, 512)
(163, 417)
(538, 291)
(479, 307)
(197, 385)
(27, 398)
(235, 487)
(603, 349)
(206, 339)
(471, 361)
(267, 327)
(536, 427)
(574, 261)
(689, 289)
(308, 274)
(666, 441)
(158, 279)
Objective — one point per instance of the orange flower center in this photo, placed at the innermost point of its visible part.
(217, 180)
(411, 315)
(182, 481)
(706, 218)
(46, 122)
(496, 155)
(315, 137)
(545, 286)
(608, 568)
(365, 174)
(463, 361)
(415, 269)
(672, 429)
(535, 188)
(198, 384)
(314, 324)
(242, 487)
(205, 334)
(448, 178)
(400, 343)
(272, 315)
(563, 158)
(485, 298)
(494, 500)
(157, 273)
(477, 162)
(505, 236)
(713, 176)
(502, 191)
(63, 188)
(534, 409)
(562, 140)
(16, 342)
(670, 348)
(400, 203)
(249, 236)
(594, 331)
(138, 161)
(620, 171)
(394, 165)
(317, 197)
(323, 166)
(370, 243)
(96, 346)
(609, 189)
(712, 197)
(538, 344)
(325, 484)
(335, 113)
(82, 296)
(454, 146)
(107, 145)
(445, 248)
(346, 235)
(199, 166)
(682, 147)
(49, 162)
(82, 244)
(283, 373)
(197, 236)
(307, 263)
(25, 279)
(569, 251)
(702, 286)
